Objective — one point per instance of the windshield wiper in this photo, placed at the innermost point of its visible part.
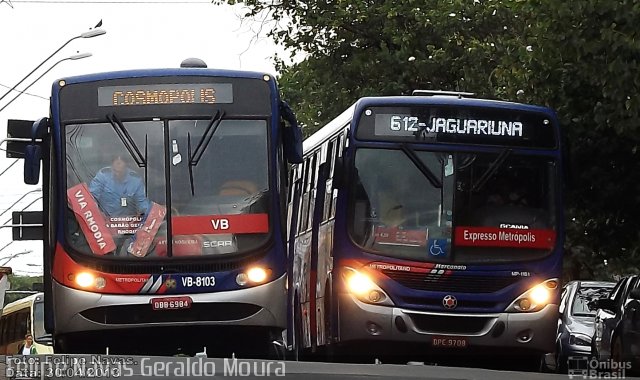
(435, 181)
(194, 158)
(130, 144)
(495, 165)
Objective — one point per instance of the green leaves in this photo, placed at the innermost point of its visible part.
(579, 57)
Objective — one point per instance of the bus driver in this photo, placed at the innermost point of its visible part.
(119, 191)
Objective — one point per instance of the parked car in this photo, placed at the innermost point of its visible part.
(617, 324)
(576, 322)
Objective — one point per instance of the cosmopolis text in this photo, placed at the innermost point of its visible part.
(112, 366)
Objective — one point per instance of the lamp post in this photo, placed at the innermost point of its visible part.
(89, 34)
(73, 57)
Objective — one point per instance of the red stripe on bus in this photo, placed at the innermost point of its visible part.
(504, 237)
(220, 224)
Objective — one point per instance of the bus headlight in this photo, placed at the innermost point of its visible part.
(255, 275)
(88, 280)
(85, 279)
(363, 287)
(535, 298)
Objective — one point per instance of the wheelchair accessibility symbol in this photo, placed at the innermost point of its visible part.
(438, 247)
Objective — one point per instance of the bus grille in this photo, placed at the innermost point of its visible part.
(153, 268)
(454, 284)
(198, 312)
(449, 324)
(421, 302)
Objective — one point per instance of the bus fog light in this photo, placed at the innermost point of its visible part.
(257, 275)
(85, 279)
(524, 336)
(100, 283)
(241, 279)
(373, 328)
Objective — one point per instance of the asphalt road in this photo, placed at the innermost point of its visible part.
(139, 367)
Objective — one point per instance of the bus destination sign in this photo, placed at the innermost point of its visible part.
(407, 125)
(165, 94)
(457, 125)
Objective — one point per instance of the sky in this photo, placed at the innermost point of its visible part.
(140, 34)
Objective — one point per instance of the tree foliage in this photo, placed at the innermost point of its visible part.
(578, 57)
(20, 283)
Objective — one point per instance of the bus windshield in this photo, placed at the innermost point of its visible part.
(488, 208)
(210, 180)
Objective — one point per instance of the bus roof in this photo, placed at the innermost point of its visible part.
(141, 73)
(332, 127)
(21, 303)
(447, 100)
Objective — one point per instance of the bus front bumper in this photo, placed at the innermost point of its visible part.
(258, 306)
(528, 332)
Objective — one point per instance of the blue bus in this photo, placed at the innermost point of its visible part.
(164, 210)
(433, 221)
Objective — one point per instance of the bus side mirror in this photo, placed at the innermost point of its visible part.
(32, 158)
(33, 152)
(291, 135)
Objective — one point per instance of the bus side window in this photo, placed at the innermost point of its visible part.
(304, 204)
(339, 148)
(328, 192)
(312, 187)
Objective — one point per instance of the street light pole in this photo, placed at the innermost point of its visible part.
(73, 57)
(89, 34)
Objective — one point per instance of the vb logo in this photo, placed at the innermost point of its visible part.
(220, 224)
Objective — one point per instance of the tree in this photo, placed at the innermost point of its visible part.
(22, 283)
(356, 48)
(578, 57)
(584, 64)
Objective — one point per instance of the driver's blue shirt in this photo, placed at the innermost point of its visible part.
(116, 198)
